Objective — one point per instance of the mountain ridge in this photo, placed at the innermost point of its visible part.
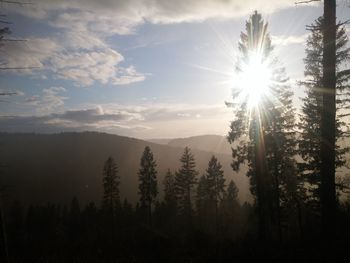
(55, 167)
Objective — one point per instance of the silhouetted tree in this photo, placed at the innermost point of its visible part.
(148, 189)
(16, 230)
(185, 180)
(328, 121)
(74, 223)
(310, 120)
(232, 220)
(203, 202)
(231, 196)
(127, 213)
(263, 134)
(170, 193)
(216, 184)
(111, 199)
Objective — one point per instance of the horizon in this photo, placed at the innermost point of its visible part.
(103, 132)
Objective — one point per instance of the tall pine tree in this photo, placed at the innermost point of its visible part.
(310, 119)
(216, 185)
(203, 203)
(148, 188)
(170, 193)
(263, 134)
(111, 198)
(185, 180)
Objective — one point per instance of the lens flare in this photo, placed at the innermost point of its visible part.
(254, 80)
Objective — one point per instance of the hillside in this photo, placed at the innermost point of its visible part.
(54, 168)
(208, 143)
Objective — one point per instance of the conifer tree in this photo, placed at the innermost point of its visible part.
(328, 121)
(111, 199)
(74, 211)
(74, 220)
(170, 192)
(216, 184)
(185, 180)
(263, 134)
(148, 189)
(202, 195)
(232, 220)
(310, 119)
(231, 196)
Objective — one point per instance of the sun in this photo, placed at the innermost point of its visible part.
(254, 80)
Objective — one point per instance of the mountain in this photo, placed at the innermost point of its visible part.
(41, 168)
(160, 141)
(208, 143)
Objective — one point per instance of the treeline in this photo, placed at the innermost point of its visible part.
(195, 211)
(198, 219)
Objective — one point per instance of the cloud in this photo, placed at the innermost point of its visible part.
(128, 14)
(95, 115)
(30, 54)
(147, 120)
(101, 23)
(72, 120)
(49, 100)
(66, 60)
(81, 39)
(285, 40)
(79, 49)
(86, 68)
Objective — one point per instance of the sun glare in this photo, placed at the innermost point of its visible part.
(254, 80)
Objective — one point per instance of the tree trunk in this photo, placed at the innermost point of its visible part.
(150, 213)
(277, 196)
(328, 194)
(4, 253)
(262, 183)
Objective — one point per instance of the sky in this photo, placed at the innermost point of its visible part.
(138, 68)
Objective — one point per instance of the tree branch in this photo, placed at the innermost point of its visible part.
(8, 93)
(306, 2)
(15, 2)
(5, 22)
(19, 68)
(13, 40)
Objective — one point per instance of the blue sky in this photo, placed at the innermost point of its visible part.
(146, 69)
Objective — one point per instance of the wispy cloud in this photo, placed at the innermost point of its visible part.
(66, 60)
(49, 100)
(285, 40)
(147, 120)
(128, 14)
(78, 50)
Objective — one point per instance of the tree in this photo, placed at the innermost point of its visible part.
(262, 132)
(16, 228)
(232, 212)
(328, 123)
(216, 184)
(232, 195)
(203, 203)
(170, 193)
(185, 179)
(111, 199)
(148, 182)
(310, 120)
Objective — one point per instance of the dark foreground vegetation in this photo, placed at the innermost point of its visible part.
(197, 220)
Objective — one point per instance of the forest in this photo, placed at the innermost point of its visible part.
(296, 162)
